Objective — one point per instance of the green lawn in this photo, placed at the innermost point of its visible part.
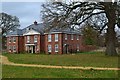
(92, 59)
(29, 72)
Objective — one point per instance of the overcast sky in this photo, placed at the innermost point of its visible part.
(27, 12)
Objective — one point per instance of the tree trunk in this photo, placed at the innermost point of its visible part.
(111, 35)
(110, 41)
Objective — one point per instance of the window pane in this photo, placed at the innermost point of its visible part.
(49, 38)
(28, 39)
(77, 47)
(10, 39)
(35, 38)
(71, 36)
(65, 36)
(77, 37)
(56, 37)
(49, 48)
(14, 39)
(56, 47)
(14, 48)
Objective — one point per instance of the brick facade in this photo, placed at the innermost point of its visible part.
(34, 40)
(15, 46)
(64, 44)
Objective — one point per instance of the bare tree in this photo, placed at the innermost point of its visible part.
(8, 22)
(100, 14)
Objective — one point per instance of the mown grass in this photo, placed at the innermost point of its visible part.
(29, 72)
(93, 59)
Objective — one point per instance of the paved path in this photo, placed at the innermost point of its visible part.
(5, 61)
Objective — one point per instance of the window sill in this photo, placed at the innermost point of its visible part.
(56, 41)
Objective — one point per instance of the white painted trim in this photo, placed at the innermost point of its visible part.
(26, 33)
(30, 44)
(60, 32)
(14, 35)
(53, 32)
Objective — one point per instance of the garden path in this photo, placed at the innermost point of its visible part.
(4, 60)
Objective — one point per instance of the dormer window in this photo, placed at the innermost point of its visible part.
(27, 29)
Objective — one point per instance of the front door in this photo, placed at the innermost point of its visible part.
(30, 49)
(33, 49)
(66, 49)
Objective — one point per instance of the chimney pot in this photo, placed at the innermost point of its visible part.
(35, 22)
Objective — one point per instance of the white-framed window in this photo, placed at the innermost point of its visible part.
(35, 38)
(10, 48)
(78, 48)
(56, 37)
(56, 47)
(14, 48)
(10, 39)
(49, 38)
(77, 37)
(14, 39)
(71, 36)
(65, 36)
(28, 39)
(49, 48)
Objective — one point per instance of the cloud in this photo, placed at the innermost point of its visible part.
(27, 12)
(24, 0)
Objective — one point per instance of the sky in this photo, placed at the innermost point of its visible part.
(27, 12)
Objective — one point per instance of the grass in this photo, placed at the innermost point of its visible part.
(29, 72)
(93, 59)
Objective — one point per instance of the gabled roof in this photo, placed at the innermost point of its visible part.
(17, 32)
(39, 28)
(36, 27)
(31, 32)
(63, 30)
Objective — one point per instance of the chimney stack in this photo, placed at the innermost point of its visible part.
(35, 23)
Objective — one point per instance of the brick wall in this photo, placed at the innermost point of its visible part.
(72, 44)
(42, 43)
(61, 42)
(37, 44)
(21, 44)
(12, 44)
(53, 42)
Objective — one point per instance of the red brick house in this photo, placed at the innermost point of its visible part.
(34, 39)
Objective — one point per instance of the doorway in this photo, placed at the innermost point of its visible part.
(31, 49)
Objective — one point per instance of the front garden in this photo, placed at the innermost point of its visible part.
(93, 59)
